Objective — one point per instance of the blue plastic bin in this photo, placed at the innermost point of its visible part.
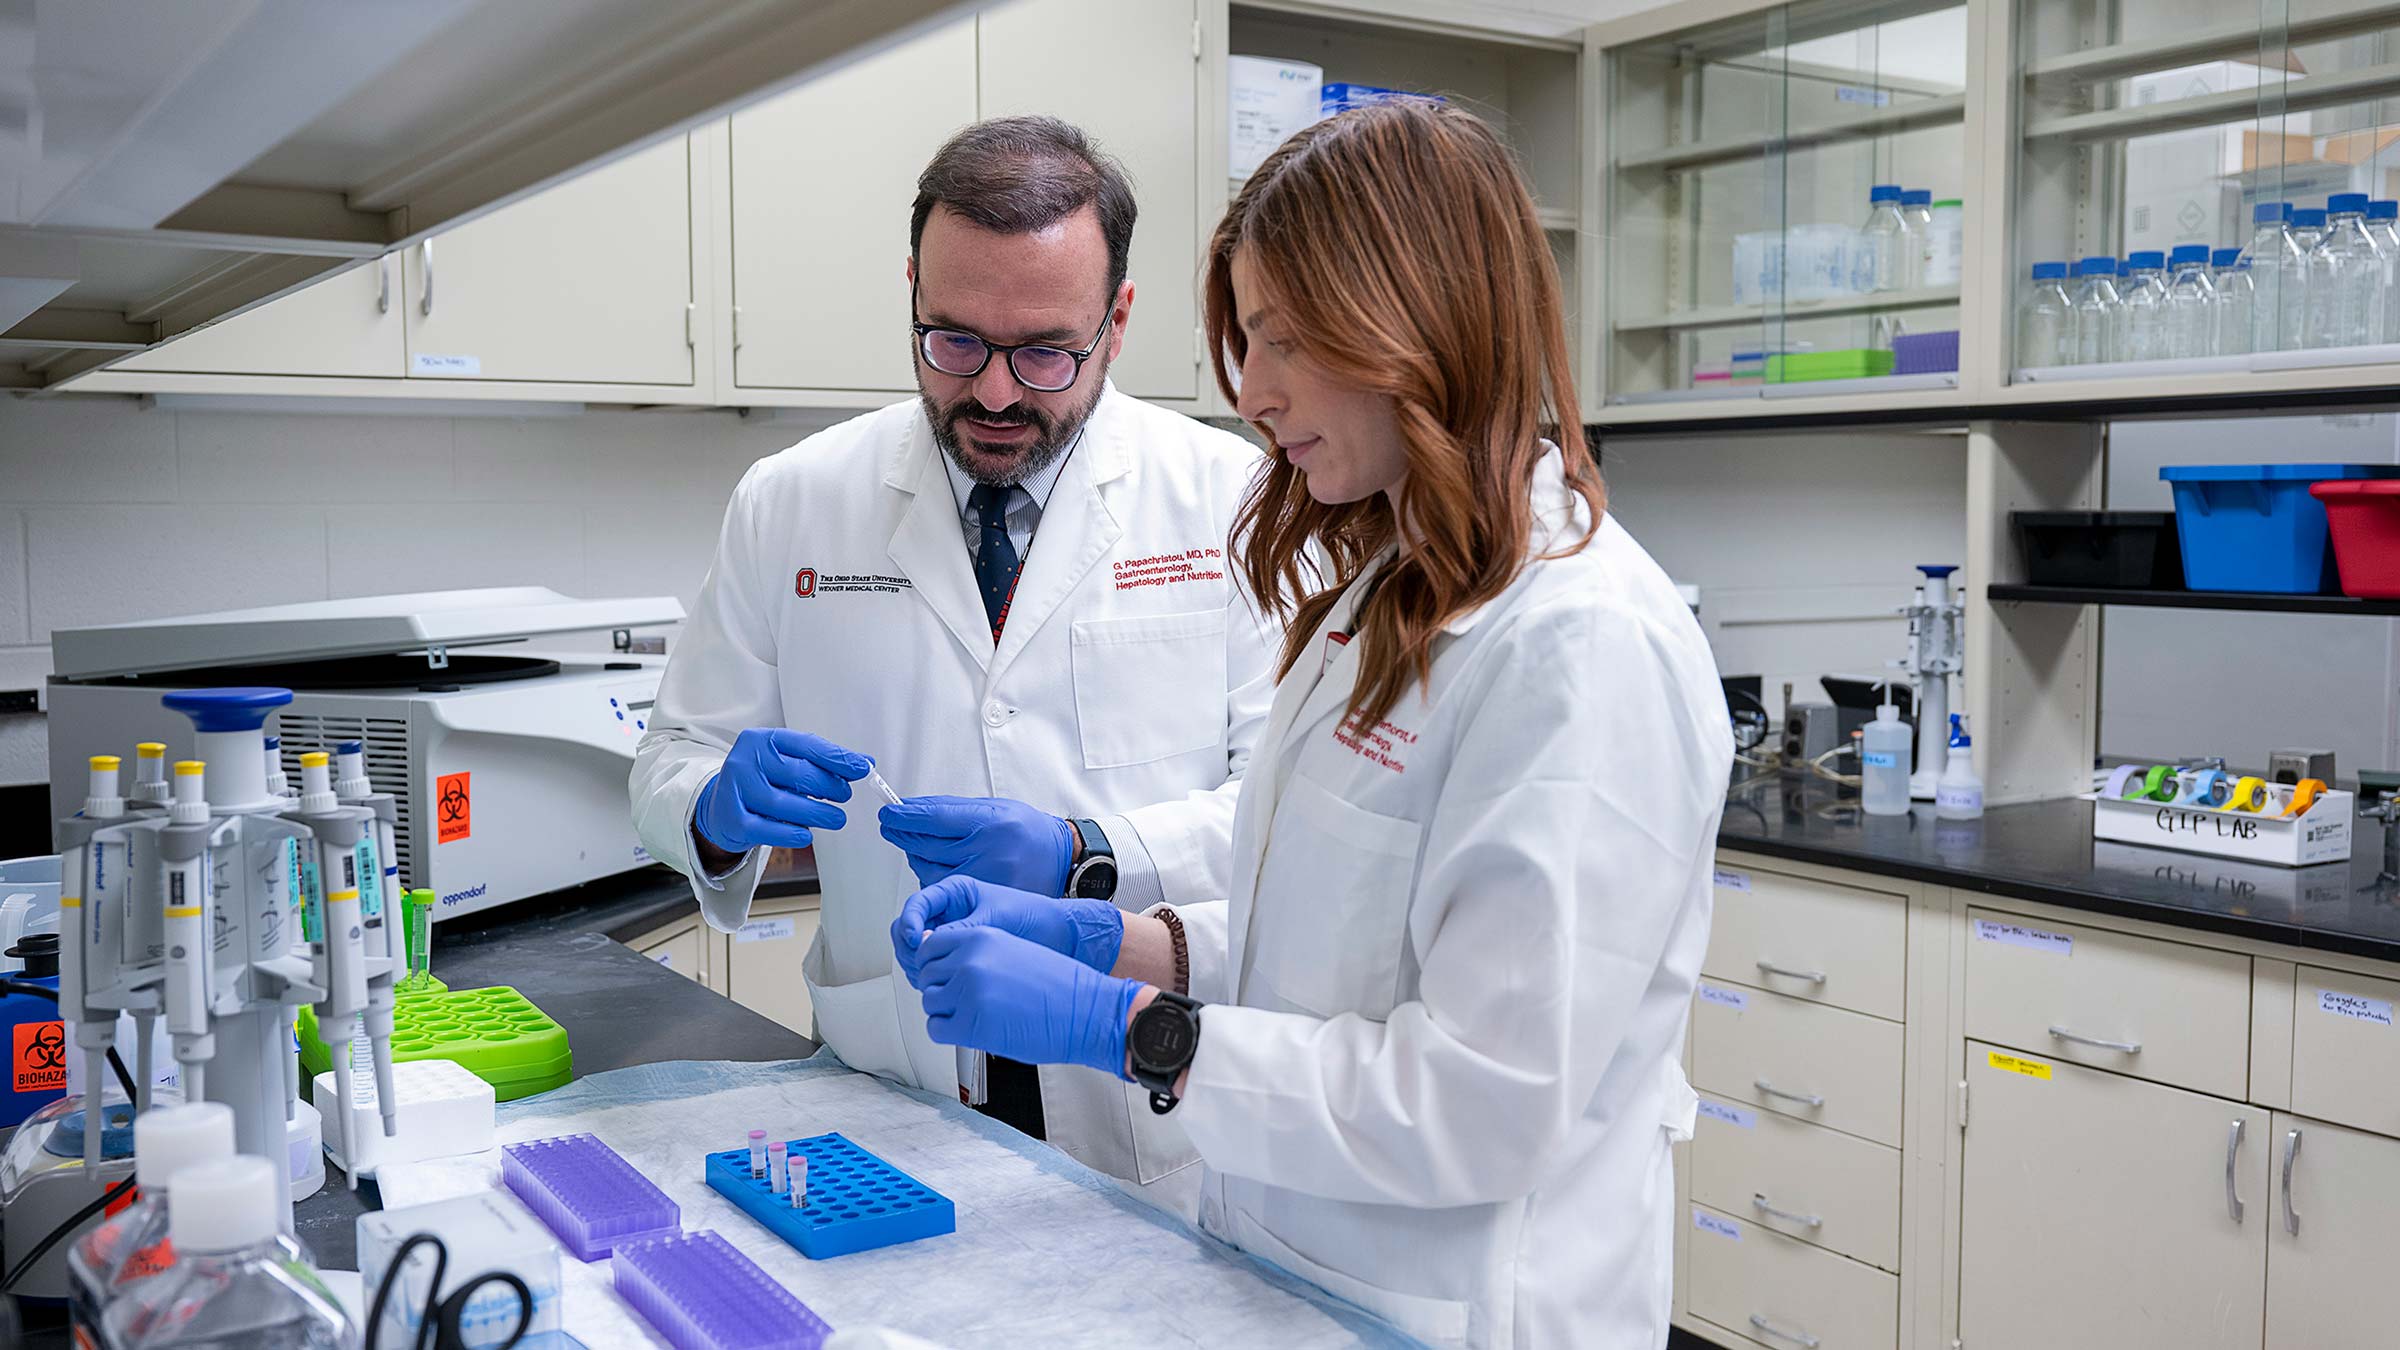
(2253, 527)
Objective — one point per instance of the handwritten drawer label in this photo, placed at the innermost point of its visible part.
(1730, 880)
(2031, 1068)
(2354, 1007)
(1710, 1223)
(428, 363)
(767, 930)
(1728, 998)
(2018, 935)
(1731, 1115)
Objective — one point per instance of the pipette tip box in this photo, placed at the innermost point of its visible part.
(700, 1293)
(587, 1193)
(855, 1202)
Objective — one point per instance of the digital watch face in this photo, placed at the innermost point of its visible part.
(1162, 1037)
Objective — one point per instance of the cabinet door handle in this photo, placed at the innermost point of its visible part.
(2121, 1047)
(383, 284)
(1758, 1200)
(1799, 1338)
(1771, 1090)
(2291, 1154)
(2233, 1150)
(1812, 976)
(425, 254)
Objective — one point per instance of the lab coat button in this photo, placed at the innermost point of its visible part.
(994, 714)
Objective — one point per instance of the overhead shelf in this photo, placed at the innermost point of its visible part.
(1884, 121)
(2204, 43)
(2209, 110)
(2264, 602)
(1736, 316)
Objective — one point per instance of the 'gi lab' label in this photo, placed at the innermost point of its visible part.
(1725, 998)
(1710, 1223)
(1731, 1115)
(2018, 935)
(2355, 1008)
(1730, 880)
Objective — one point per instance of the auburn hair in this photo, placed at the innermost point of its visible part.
(1402, 243)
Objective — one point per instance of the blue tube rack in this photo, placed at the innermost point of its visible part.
(702, 1294)
(856, 1201)
(587, 1194)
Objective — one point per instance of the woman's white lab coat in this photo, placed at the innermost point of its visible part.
(1440, 1069)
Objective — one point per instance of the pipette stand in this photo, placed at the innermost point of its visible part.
(1936, 651)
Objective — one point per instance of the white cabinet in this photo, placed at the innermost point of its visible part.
(1784, 1293)
(2103, 1211)
(679, 946)
(2329, 1280)
(823, 180)
(347, 325)
(1128, 74)
(762, 964)
(587, 282)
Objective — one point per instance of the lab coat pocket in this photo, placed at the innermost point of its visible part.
(1332, 905)
(1148, 687)
(860, 1021)
(1435, 1321)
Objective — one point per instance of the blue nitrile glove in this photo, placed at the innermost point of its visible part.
(990, 838)
(1090, 931)
(993, 991)
(776, 786)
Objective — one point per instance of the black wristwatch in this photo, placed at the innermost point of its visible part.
(1093, 874)
(1161, 1042)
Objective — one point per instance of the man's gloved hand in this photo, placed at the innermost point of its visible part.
(776, 786)
(989, 838)
(993, 991)
(1090, 931)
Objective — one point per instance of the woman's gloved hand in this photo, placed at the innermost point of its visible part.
(989, 838)
(1090, 931)
(776, 786)
(991, 990)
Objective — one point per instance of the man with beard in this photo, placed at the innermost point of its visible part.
(1010, 596)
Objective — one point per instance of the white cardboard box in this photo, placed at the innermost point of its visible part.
(444, 1111)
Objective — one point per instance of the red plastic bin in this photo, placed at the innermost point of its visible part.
(2364, 517)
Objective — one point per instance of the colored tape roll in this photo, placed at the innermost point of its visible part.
(2120, 780)
(2304, 796)
(2249, 794)
(2207, 788)
(2158, 784)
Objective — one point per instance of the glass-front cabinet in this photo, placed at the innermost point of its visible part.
(2206, 190)
(1785, 198)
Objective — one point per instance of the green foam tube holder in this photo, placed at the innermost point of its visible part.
(496, 1034)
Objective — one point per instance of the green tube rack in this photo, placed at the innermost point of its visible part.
(497, 1034)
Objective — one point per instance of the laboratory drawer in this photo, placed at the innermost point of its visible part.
(1810, 939)
(2164, 1011)
(2346, 1051)
(1839, 1069)
(1835, 1190)
(1782, 1292)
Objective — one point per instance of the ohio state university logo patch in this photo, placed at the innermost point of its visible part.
(804, 582)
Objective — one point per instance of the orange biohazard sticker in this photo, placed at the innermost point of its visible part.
(40, 1058)
(453, 808)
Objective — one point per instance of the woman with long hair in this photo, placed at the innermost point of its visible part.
(1429, 1048)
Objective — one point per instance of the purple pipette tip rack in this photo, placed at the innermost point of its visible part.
(588, 1195)
(702, 1294)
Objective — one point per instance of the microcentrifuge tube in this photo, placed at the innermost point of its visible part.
(758, 1154)
(882, 786)
(799, 1169)
(779, 1175)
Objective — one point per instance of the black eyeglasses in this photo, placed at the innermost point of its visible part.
(1038, 366)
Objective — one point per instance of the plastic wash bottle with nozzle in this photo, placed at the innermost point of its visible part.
(1885, 760)
(1959, 794)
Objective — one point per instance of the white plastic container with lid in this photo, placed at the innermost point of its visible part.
(131, 1247)
(486, 1231)
(1885, 760)
(1946, 242)
(233, 1286)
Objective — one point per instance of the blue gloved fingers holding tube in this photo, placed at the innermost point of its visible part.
(993, 991)
(775, 787)
(1090, 931)
(989, 838)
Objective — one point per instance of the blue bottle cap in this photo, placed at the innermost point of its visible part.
(1884, 192)
(237, 709)
(2225, 257)
(2267, 211)
(2148, 259)
(1937, 569)
(2383, 210)
(2188, 253)
(2049, 271)
(2096, 266)
(2308, 218)
(2346, 204)
(1917, 197)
